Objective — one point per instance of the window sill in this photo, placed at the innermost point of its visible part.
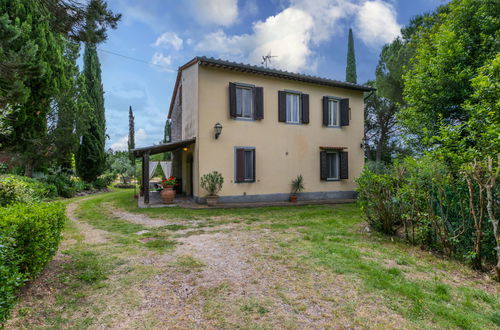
(244, 119)
(238, 182)
(293, 123)
(331, 126)
(329, 180)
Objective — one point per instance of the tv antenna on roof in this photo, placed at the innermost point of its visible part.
(266, 60)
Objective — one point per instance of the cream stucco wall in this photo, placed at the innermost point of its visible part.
(190, 127)
(282, 150)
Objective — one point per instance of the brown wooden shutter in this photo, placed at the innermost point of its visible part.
(282, 106)
(240, 165)
(305, 108)
(258, 96)
(323, 166)
(253, 174)
(232, 100)
(325, 110)
(344, 165)
(344, 112)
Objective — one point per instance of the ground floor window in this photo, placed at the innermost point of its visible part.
(245, 164)
(332, 165)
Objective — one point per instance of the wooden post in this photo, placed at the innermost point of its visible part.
(145, 176)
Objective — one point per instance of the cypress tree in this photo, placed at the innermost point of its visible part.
(131, 136)
(91, 157)
(350, 71)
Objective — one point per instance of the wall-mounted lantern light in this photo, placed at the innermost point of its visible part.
(218, 130)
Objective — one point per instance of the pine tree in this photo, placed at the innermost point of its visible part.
(350, 71)
(131, 136)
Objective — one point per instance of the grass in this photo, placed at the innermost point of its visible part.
(423, 290)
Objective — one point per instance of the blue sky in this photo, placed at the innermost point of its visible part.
(309, 36)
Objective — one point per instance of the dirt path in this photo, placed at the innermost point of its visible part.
(91, 234)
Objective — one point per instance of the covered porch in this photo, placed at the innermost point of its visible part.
(182, 169)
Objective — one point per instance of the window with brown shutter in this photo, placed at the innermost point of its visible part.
(246, 101)
(293, 107)
(344, 165)
(333, 165)
(344, 112)
(245, 164)
(305, 108)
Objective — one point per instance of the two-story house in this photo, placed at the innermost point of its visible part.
(274, 125)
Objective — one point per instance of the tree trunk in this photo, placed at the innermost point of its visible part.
(28, 168)
(380, 144)
(491, 213)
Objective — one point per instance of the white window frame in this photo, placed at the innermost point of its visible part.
(288, 108)
(252, 105)
(332, 101)
(337, 165)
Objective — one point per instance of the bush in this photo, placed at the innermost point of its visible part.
(212, 183)
(29, 238)
(377, 199)
(20, 189)
(104, 181)
(427, 203)
(64, 184)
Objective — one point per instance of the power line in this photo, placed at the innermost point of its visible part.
(131, 58)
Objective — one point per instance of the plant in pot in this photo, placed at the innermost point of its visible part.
(168, 193)
(297, 186)
(212, 183)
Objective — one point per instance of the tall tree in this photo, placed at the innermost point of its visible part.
(31, 67)
(65, 137)
(448, 56)
(91, 156)
(350, 70)
(131, 134)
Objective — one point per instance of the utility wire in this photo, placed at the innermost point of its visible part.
(131, 58)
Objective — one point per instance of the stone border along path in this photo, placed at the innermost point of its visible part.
(91, 234)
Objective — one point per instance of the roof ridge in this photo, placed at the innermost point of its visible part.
(283, 72)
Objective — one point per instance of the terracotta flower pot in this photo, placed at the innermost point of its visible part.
(212, 200)
(293, 198)
(167, 194)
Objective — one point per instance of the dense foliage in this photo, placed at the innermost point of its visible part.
(423, 202)
(20, 189)
(29, 238)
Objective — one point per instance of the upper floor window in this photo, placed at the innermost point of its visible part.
(246, 101)
(333, 112)
(336, 111)
(293, 107)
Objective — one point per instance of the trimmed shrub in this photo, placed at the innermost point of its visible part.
(65, 185)
(104, 181)
(20, 189)
(29, 238)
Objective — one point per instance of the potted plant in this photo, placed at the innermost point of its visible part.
(297, 186)
(212, 183)
(168, 193)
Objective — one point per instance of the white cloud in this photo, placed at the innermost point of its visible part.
(161, 61)
(285, 35)
(122, 143)
(293, 33)
(376, 23)
(218, 12)
(169, 39)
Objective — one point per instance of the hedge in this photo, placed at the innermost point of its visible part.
(29, 238)
(21, 189)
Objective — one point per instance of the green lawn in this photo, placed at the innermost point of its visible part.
(317, 248)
